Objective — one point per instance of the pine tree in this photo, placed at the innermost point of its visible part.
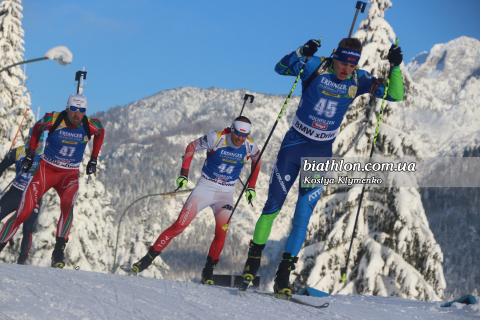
(14, 97)
(137, 245)
(394, 251)
(13, 92)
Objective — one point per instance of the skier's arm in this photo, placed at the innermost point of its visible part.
(197, 145)
(292, 63)
(98, 134)
(376, 87)
(395, 89)
(253, 180)
(8, 161)
(41, 125)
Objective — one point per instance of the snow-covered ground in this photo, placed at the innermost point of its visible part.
(31, 292)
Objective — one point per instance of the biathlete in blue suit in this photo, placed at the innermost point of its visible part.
(329, 87)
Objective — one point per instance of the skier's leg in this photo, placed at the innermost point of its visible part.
(307, 200)
(40, 182)
(221, 210)
(284, 174)
(27, 234)
(10, 201)
(67, 190)
(200, 198)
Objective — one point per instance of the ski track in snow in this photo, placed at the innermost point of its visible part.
(31, 292)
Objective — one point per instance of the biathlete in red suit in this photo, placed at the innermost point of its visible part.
(58, 168)
(227, 153)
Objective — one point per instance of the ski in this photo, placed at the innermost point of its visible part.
(128, 269)
(291, 299)
(244, 286)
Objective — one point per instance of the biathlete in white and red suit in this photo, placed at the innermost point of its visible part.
(69, 132)
(227, 152)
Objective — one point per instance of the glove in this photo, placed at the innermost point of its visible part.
(250, 194)
(92, 165)
(395, 55)
(310, 48)
(182, 180)
(27, 162)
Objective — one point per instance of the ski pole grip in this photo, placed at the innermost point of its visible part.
(249, 96)
(361, 5)
(397, 41)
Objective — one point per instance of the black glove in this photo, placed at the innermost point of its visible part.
(395, 55)
(92, 165)
(310, 47)
(27, 161)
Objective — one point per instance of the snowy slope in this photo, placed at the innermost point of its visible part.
(30, 292)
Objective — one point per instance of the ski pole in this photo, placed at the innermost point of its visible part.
(225, 227)
(245, 98)
(360, 6)
(344, 269)
(13, 142)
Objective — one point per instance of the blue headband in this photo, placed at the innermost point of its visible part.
(347, 55)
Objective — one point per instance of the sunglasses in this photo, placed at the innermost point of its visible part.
(74, 109)
(240, 134)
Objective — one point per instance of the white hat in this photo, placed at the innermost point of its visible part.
(77, 100)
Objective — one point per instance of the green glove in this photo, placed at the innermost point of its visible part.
(250, 194)
(182, 181)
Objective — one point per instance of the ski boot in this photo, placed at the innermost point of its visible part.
(252, 264)
(282, 277)
(146, 261)
(22, 259)
(58, 255)
(207, 273)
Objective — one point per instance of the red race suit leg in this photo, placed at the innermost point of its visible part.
(40, 182)
(221, 210)
(67, 190)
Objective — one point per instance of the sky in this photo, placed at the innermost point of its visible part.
(132, 49)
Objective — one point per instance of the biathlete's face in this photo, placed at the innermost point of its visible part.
(343, 69)
(237, 140)
(75, 117)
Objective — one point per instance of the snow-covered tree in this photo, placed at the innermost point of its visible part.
(137, 246)
(13, 92)
(14, 97)
(394, 252)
